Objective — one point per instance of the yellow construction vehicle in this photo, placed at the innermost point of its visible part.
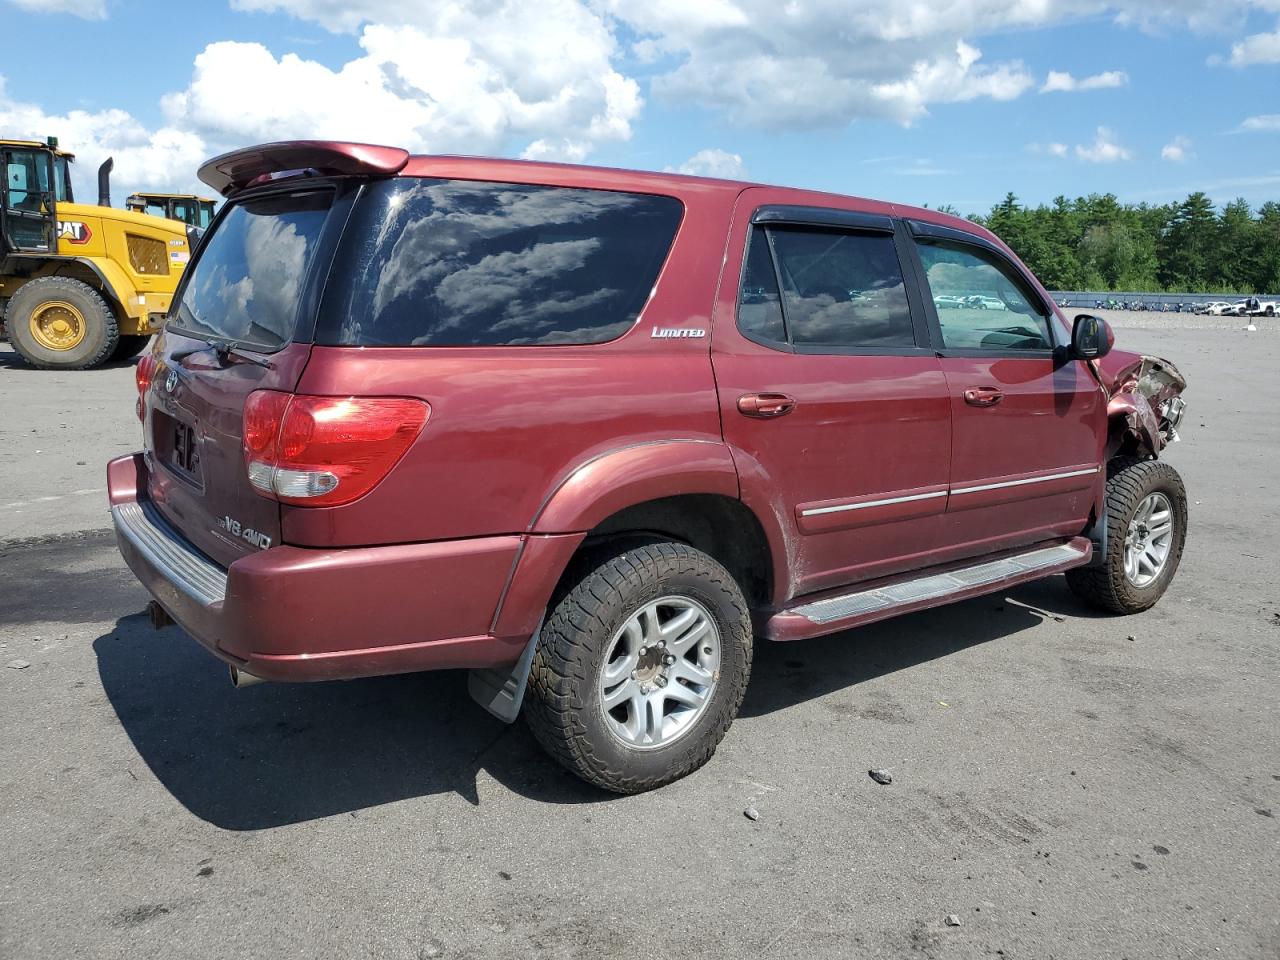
(194, 211)
(80, 285)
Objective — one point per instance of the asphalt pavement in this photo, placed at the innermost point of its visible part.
(1064, 784)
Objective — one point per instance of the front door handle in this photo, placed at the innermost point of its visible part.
(983, 396)
(765, 406)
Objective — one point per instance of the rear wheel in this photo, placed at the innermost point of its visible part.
(57, 323)
(640, 667)
(1146, 532)
(130, 346)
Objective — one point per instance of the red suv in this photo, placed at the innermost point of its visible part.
(591, 433)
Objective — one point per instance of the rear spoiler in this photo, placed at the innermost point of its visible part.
(239, 169)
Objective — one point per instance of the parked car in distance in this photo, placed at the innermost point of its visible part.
(593, 434)
(1216, 308)
(1262, 308)
(985, 303)
(949, 302)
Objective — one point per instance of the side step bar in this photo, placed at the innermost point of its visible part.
(867, 604)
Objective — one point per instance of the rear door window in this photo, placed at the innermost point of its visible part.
(428, 262)
(825, 289)
(247, 283)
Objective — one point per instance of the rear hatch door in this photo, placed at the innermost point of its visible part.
(242, 323)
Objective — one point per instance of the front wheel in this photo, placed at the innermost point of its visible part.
(1146, 532)
(59, 323)
(640, 667)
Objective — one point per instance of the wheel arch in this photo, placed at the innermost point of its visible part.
(684, 490)
(103, 276)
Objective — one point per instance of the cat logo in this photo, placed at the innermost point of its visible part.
(73, 231)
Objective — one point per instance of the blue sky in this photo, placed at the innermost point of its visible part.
(923, 102)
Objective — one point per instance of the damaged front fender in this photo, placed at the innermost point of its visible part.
(1144, 406)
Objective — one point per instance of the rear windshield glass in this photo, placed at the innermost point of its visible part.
(463, 263)
(248, 281)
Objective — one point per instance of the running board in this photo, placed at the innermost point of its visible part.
(887, 599)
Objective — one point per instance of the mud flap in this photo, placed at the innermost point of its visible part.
(501, 692)
(1097, 535)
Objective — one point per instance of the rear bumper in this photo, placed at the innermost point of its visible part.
(291, 613)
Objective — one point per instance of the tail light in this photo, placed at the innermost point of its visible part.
(325, 451)
(143, 374)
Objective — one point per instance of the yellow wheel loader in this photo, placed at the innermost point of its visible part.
(194, 211)
(80, 285)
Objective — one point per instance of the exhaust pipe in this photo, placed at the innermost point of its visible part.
(159, 616)
(240, 679)
(104, 181)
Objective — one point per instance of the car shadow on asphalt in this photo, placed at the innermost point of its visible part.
(785, 674)
(278, 754)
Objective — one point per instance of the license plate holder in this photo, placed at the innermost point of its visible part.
(185, 455)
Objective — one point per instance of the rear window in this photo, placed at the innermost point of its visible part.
(247, 283)
(449, 263)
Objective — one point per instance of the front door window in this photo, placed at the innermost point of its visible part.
(980, 306)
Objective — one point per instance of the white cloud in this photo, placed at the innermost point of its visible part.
(713, 163)
(554, 79)
(1178, 151)
(1265, 123)
(88, 9)
(1259, 48)
(164, 159)
(1104, 149)
(1052, 149)
(540, 78)
(1066, 83)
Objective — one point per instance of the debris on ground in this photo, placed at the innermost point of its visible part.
(1132, 638)
(18, 664)
(953, 920)
(751, 813)
(883, 777)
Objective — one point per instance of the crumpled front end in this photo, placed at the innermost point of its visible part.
(1145, 407)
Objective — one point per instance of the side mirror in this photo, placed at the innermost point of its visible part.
(1091, 338)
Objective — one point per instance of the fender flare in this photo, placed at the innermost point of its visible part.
(625, 476)
(759, 494)
(115, 285)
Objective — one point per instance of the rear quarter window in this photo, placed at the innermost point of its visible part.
(428, 262)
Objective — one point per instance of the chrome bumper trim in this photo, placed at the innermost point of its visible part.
(189, 570)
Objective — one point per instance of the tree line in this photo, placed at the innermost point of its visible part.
(1098, 243)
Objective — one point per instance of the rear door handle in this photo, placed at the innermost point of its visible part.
(983, 396)
(765, 406)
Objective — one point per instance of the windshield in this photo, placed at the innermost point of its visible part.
(247, 283)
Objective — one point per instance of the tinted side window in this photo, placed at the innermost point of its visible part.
(842, 289)
(461, 263)
(981, 303)
(759, 304)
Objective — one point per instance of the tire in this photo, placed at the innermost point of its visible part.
(1132, 483)
(130, 345)
(99, 335)
(586, 631)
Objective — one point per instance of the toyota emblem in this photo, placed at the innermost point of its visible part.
(171, 381)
